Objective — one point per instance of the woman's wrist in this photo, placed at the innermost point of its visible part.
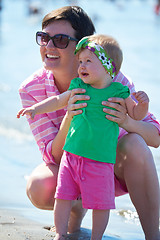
(129, 124)
(145, 129)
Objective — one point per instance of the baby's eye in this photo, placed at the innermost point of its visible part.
(88, 60)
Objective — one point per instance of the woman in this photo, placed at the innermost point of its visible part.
(135, 171)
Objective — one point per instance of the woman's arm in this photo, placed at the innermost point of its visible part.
(72, 110)
(59, 140)
(145, 129)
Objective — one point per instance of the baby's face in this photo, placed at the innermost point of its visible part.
(91, 70)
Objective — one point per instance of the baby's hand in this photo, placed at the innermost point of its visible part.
(26, 111)
(141, 97)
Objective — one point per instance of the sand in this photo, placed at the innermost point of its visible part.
(14, 226)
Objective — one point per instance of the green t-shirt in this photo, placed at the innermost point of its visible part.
(91, 135)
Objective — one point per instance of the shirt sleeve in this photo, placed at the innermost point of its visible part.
(44, 127)
(123, 91)
(76, 83)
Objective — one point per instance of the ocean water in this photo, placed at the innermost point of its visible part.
(137, 29)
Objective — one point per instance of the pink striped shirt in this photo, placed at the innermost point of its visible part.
(39, 86)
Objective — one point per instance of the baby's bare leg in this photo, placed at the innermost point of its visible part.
(61, 216)
(100, 220)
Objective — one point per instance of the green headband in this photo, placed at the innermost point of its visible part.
(105, 59)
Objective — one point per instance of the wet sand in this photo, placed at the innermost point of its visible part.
(14, 226)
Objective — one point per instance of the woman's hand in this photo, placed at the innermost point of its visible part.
(119, 111)
(145, 129)
(73, 107)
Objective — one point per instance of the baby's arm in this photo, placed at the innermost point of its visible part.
(48, 105)
(137, 110)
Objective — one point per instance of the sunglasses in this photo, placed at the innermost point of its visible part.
(59, 40)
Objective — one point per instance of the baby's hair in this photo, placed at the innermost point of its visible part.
(111, 46)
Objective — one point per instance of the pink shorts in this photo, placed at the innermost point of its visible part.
(93, 180)
(119, 189)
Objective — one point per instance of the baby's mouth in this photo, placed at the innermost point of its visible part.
(84, 74)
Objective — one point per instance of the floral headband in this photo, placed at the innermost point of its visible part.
(105, 59)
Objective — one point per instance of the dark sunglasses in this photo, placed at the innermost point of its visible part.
(59, 40)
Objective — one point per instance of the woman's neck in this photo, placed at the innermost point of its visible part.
(63, 79)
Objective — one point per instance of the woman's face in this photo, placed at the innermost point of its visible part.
(56, 59)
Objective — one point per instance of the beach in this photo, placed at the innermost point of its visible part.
(13, 226)
(136, 27)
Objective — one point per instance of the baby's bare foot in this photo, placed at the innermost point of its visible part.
(60, 237)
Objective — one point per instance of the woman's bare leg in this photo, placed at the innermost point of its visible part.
(41, 188)
(76, 216)
(100, 220)
(135, 168)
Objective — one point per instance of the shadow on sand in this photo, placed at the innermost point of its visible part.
(84, 234)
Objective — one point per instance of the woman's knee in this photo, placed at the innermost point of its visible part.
(132, 151)
(134, 158)
(134, 145)
(40, 189)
